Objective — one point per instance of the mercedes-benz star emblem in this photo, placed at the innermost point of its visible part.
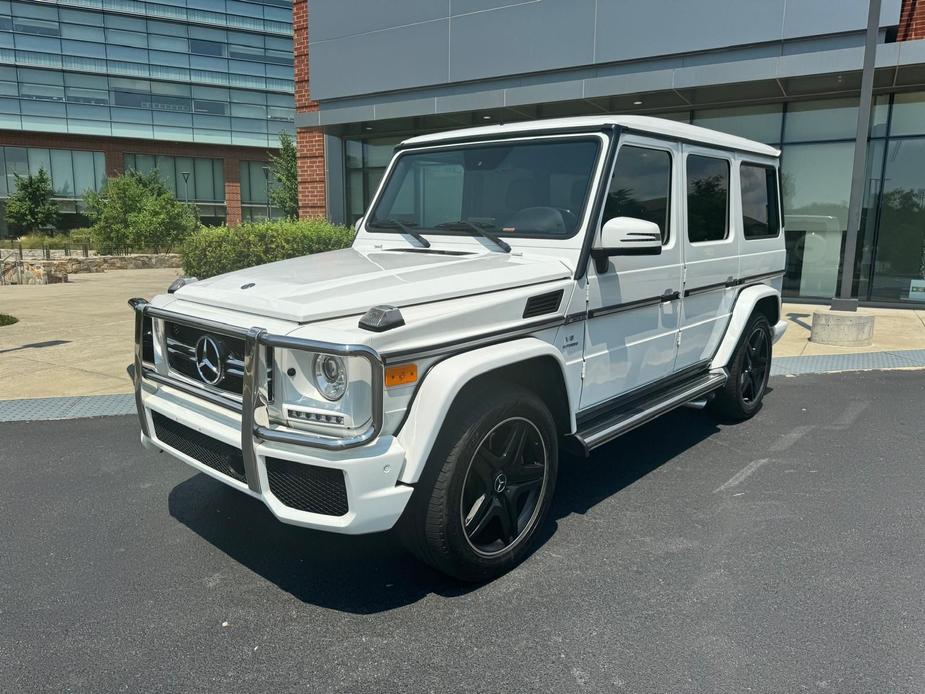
(500, 482)
(209, 360)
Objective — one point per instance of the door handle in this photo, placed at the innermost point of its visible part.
(669, 296)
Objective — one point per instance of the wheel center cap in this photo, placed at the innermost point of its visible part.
(500, 482)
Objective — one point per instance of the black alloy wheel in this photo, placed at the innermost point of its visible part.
(754, 375)
(503, 486)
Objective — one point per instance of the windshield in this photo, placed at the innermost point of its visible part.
(532, 189)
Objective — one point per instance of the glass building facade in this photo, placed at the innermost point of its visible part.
(816, 138)
(217, 74)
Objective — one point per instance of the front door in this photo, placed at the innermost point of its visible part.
(633, 303)
(711, 258)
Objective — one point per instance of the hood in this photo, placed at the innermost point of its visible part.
(348, 282)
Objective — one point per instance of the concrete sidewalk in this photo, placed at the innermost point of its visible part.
(894, 330)
(73, 338)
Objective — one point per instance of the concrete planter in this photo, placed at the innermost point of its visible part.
(55, 271)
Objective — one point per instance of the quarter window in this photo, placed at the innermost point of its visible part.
(707, 198)
(760, 212)
(641, 186)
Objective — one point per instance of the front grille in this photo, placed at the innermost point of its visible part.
(208, 451)
(308, 487)
(181, 355)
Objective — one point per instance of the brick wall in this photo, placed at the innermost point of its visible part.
(309, 141)
(115, 150)
(912, 20)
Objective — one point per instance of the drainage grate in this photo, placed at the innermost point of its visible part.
(208, 451)
(308, 487)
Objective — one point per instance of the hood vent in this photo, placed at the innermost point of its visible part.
(542, 304)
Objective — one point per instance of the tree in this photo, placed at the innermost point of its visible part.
(285, 193)
(31, 208)
(138, 211)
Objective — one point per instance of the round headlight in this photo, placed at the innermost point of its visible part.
(330, 376)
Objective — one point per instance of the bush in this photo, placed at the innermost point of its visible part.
(7, 319)
(137, 211)
(216, 250)
(30, 207)
(73, 240)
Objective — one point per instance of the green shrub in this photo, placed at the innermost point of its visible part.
(7, 319)
(216, 250)
(136, 211)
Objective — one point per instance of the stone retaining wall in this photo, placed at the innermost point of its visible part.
(57, 270)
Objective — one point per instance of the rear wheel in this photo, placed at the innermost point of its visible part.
(487, 485)
(749, 370)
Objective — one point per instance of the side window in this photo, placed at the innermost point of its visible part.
(707, 198)
(760, 211)
(641, 186)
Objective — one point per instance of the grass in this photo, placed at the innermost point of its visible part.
(6, 319)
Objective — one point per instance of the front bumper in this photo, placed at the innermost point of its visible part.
(295, 474)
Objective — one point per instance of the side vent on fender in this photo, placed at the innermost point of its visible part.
(542, 304)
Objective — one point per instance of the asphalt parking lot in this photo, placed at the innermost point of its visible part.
(780, 555)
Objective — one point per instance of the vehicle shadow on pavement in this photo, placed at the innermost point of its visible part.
(373, 573)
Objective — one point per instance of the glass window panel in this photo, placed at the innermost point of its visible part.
(37, 26)
(88, 112)
(246, 139)
(707, 198)
(84, 49)
(21, 9)
(379, 151)
(759, 201)
(248, 125)
(198, 62)
(9, 105)
(80, 17)
(43, 108)
(218, 179)
(184, 120)
(39, 159)
(169, 29)
(275, 127)
(9, 89)
(128, 129)
(280, 72)
(3, 190)
(246, 97)
(40, 76)
(80, 63)
(170, 89)
(279, 44)
(130, 115)
(243, 110)
(169, 58)
(816, 182)
(99, 169)
(115, 21)
(243, 9)
(214, 122)
(204, 33)
(277, 14)
(215, 108)
(17, 162)
(123, 53)
(82, 33)
(162, 102)
(908, 114)
(761, 123)
(88, 127)
(879, 115)
(9, 121)
(84, 172)
(899, 269)
(821, 120)
(6, 40)
(127, 38)
(640, 188)
(247, 68)
(62, 172)
(245, 52)
(245, 182)
(212, 93)
(280, 100)
(202, 178)
(129, 85)
(144, 163)
(165, 72)
(168, 43)
(216, 137)
(47, 92)
(170, 170)
(87, 96)
(37, 43)
(201, 47)
(88, 81)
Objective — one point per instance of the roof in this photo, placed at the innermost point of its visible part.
(648, 124)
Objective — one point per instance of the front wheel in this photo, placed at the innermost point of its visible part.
(487, 485)
(749, 371)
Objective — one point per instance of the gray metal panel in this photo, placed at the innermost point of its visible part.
(399, 58)
(332, 19)
(633, 30)
(465, 6)
(808, 17)
(522, 38)
(334, 178)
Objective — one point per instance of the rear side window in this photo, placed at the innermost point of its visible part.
(641, 186)
(707, 198)
(760, 211)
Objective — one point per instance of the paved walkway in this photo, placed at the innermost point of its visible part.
(73, 338)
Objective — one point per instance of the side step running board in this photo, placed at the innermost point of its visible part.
(608, 427)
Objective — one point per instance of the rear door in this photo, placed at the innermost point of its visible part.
(633, 303)
(711, 255)
(762, 257)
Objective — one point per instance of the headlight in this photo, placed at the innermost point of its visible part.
(330, 376)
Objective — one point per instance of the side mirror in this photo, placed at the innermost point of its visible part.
(627, 236)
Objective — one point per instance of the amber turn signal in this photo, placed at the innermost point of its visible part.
(401, 375)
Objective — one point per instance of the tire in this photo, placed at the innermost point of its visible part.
(469, 492)
(749, 369)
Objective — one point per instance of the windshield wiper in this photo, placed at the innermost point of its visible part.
(461, 224)
(391, 223)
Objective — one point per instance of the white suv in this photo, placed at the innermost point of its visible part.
(511, 288)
